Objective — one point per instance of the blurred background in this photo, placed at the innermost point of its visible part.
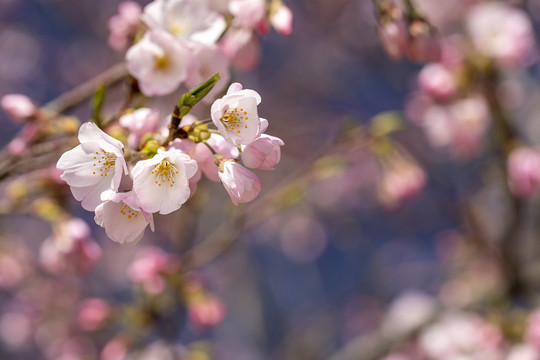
(316, 261)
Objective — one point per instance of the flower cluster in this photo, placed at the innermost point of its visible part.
(163, 173)
(178, 42)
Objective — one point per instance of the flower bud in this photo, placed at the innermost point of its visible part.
(19, 107)
(263, 153)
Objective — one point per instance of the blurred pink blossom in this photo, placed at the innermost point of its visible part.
(123, 26)
(148, 268)
(248, 13)
(282, 19)
(401, 180)
(206, 311)
(502, 32)
(524, 171)
(437, 80)
(93, 313)
(19, 107)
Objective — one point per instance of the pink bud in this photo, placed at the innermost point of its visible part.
(241, 184)
(93, 313)
(393, 36)
(123, 26)
(282, 20)
(207, 311)
(524, 171)
(436, 80)
(263, 153)
(115, 349)
(148, 267)
(19, 107)
(17, 146)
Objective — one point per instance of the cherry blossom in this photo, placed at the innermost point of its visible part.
(281, 18)
(185, 19)
(208, 60)
(241, 184)
(161, 183)
(159, 62)
(122, 217)
(502, 32)
(248, 13)
(263, 153)
(94, 166)
(235, 115)
(19, 107)
(140, 122)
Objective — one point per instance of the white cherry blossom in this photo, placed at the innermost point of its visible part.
(161, 183)
(185, 19)
(235, 115)
(94, 166)
(122, 217)
(159, 62)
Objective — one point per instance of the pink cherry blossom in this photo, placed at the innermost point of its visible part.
(161, 183)
(93, 313)
(148, 267)
(248, 13)
(502, 32)
(394, 37)
(437, 80)
(122, 217)
(159, 62)
(123, 26)
(70, 247)
(19, 107)
(191, 20)
(263, 153)
(282, 19)
(206, 311)
(235, 115)
(241, 184)
(140, 122)
(524, 171)
(208, 60)
(94, 166)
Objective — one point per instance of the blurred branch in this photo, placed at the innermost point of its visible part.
(46, 152)
(87, 89)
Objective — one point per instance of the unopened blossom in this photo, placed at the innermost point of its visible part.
(236, 117)
(191, 20)
(94, 166)
(139, 123)
(123, 26)
(93, 313)
(206, 311)
(281, 18)
(161, 183)
(524, 171)
(401, 180)
(208, 60)
(248, 13)
(423, 44)
(159, 62)
(19, 107)
(263, 153)
(502, 32)
(241, 184)
(393, 35)
(242, 48)
(437, 80)
(122, 217)
(149, 267)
